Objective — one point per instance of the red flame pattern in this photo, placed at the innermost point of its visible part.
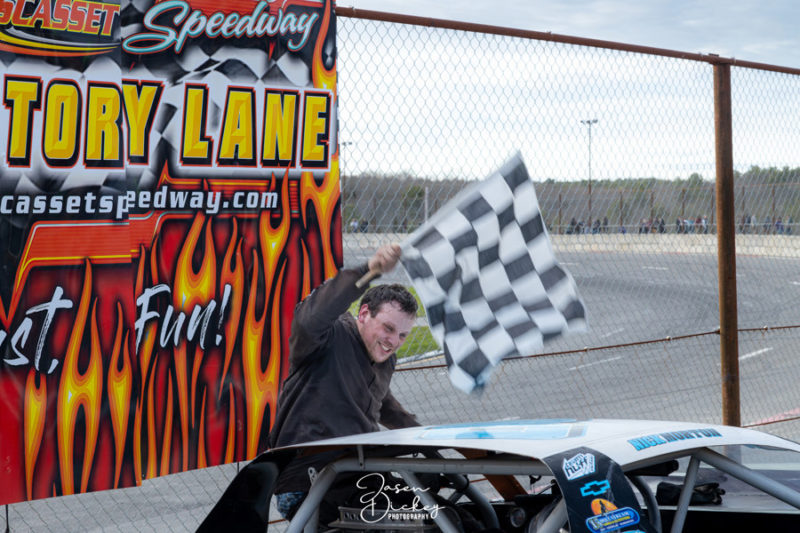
(118, 408)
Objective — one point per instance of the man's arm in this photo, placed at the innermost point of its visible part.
(394, 415)
(315, 315)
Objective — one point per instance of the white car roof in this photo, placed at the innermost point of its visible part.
(626, 442)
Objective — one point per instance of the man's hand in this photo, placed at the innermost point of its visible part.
(385, 258)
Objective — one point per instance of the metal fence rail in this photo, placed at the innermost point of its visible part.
(611, 133)
(591, 378)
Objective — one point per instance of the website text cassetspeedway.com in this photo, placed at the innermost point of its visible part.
(118, 206)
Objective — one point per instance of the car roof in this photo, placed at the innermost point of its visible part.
(626, 442)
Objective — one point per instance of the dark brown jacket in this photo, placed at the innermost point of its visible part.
(333, 388)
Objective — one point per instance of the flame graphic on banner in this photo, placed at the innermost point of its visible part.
(165, 444)
(169, 328)
(79, 390)
(261, 386)
(323, 78)
(192, 288)
(35, 406)
(306, 288)
(120, 381)
(324, 198)
(232, 273)
(231, 435)
(146, 363)
(202, 461)
(172, 405)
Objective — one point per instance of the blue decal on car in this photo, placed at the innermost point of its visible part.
(657, 439)
(512, 429)
(595, 488)
(616, 519)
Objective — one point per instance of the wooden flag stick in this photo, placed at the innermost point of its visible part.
(366, 278)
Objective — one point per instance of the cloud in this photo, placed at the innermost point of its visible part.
(747, 29)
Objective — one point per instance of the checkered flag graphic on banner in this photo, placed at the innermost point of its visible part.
(219, 63)
(483, 267)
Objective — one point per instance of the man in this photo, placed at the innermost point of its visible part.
(340, 368)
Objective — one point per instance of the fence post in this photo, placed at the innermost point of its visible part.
(726, 246)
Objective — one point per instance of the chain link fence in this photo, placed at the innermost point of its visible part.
(621, 147)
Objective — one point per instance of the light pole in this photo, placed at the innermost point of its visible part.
(352, 197)
(589, 122)
(342, 146)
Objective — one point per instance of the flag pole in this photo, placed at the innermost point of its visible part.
(366, 278)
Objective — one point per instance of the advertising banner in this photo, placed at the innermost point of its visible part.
(169, 190)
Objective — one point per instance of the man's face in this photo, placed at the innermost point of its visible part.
(384, 333)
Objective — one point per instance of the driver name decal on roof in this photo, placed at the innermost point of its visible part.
(657, 439)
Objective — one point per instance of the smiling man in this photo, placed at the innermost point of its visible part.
(340, 368)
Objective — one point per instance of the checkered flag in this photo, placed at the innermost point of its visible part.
(485, 271)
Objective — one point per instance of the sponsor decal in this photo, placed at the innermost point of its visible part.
(648, 441)
(578, 466)
(595, 488)
(602, 506)
(610, 518)
(603, 498)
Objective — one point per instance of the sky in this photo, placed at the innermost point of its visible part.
(764, 31)
(655, 114)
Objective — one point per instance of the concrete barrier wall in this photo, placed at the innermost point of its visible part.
(757, 245)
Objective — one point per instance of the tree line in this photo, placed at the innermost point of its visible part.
(400, 202)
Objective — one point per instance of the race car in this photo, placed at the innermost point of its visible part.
(533, 476)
